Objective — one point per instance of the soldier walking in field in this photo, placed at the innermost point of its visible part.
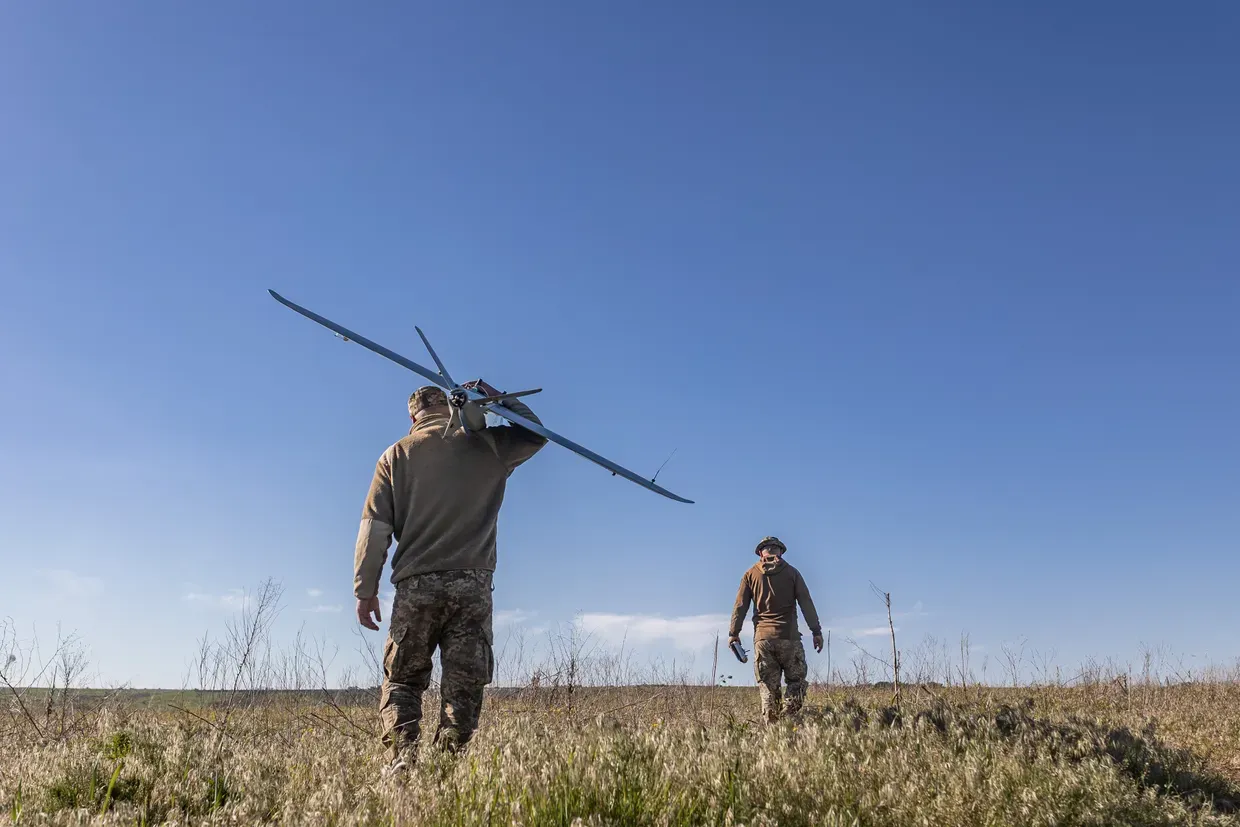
(438, 491)
(775, 589)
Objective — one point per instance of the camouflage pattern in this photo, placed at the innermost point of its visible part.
(427, 396)
(770, 541)
(774, 658)
(450, 610)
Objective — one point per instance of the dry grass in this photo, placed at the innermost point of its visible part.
(265, 740)
(653, 755)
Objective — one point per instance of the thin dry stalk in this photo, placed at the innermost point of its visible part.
(895, 652)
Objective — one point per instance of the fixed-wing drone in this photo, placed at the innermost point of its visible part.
(459, 396)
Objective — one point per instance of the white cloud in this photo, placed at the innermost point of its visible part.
(873, 631)
(314, 592)
(686, 632)
(70, 584)
(232, 600)
(513, 617)
(875, 623)
(322, 608)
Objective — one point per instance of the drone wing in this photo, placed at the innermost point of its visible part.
(366, 343)
(516, 418)
(476, 397)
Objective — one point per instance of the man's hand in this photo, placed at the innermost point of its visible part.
(365, 608)
(734, 639)
(817, 641)
(481, 386)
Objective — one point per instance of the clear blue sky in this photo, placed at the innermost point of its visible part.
(947, 299)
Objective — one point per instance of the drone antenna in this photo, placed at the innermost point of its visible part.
(661, 467)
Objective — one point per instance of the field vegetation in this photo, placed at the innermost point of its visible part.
(258, 736)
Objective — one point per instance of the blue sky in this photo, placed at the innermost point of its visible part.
(946, 298)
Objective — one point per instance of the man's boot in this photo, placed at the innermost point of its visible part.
(404, 759)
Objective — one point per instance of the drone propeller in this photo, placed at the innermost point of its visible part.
(455, 394)
(443, 371)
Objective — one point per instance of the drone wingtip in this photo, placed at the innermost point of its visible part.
(661, 490)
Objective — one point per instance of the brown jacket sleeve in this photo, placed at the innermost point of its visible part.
(374, 535)
(743, 596)
(513, 443)
(807, 606)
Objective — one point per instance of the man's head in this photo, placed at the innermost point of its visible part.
(428, 400)
(770, 548)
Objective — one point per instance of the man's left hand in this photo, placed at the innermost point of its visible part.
(365, 608)
(817, 641)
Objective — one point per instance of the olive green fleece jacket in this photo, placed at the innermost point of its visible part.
(775, 590)
(439, 496)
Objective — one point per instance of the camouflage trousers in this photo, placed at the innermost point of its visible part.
(773, 659)
(450, 610)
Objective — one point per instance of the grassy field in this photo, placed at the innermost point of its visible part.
(263, 740)
(1101, 754)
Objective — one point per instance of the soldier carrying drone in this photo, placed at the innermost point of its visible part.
(438, 491)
